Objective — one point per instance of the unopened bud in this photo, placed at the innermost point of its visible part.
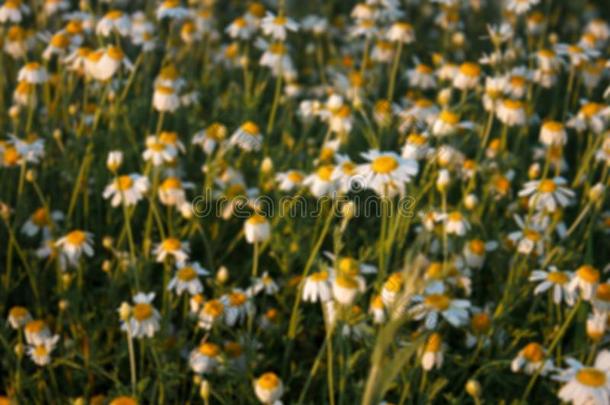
(267, 165)
(204, 390)
(124, 311)
(222, 275)
(473, 388)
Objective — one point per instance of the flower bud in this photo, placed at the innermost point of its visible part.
(124, 311)
(114, 160)
(222, 275)
(443, 180)
(596, 193)
(473, 388)
(30, 175)
(204, 390)
(471, 201)
(267, 165)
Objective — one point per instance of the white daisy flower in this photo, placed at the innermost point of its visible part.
(317, 287)
(172, 247)
(531, 359)
(277, 27)
(387, 172)
(205, 358)
(144, 318)
(40, 352)
(559, 281)
(74, 244)
(429, 307)
(248, 137)
(586, 385)
(547, 194)
(186, 279)
(127, 188)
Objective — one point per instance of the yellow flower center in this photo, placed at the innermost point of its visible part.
(319, 276)
(165, 90)
(325, 172)
(346, 282)
(171, 183)
(455, 216)
(533, 352)
(394, 283)
(124, 183)
(477, 246)
(416, 139)
(434, 342)
(348, 266)
(424, 69)
(513, 104)
(124, 400)
(268, 381)
(558, 277)
(434, 271)
(590, 109)
(480, 322)
(470, 69)
(449, 117)
(603, 292)
(213, 308)
(250, 128)
(257, 219)
(209, 349)
(187, 274)
(588, 273)
(18, 312)
(35, 326)
(531, 235)
(295, 177)
(547, 186)
(41, 350)
(60, 41)
(114, 14)
(171, 244)
(142, 311)
(237, 299)
(591, 377)
(76, 238)
(439, 302)
(553, 126)
(115, 53)
(40, 217)
(280, 20)
(384, 164)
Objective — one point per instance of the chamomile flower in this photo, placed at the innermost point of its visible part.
(247, 137)
(321, 182)
(40, 352)
(401, 32)
(237, 306)
(317, 287)
(159, 152)
(172, 247)
(211, 312)
(127, 189)
(547, 194)
(268, 388)
(257, 229)
(277, 27)
(41, 220)
(33, 73)
(74, 244)
(558, 281)
(186, 278)
(345, 288)
(386, 172)
(36, 331)
(115, 21)
(468, 76)
(586, 279)
(264, 283)
(288, 181)
(586, 385)
(172, 9)
(211, 137)
(553, 133)
(601, 299)
(144, 319)
(532, 359)
(432, 356)
(205, 358)
(18, 316)
(165, 99)
(432, 306)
